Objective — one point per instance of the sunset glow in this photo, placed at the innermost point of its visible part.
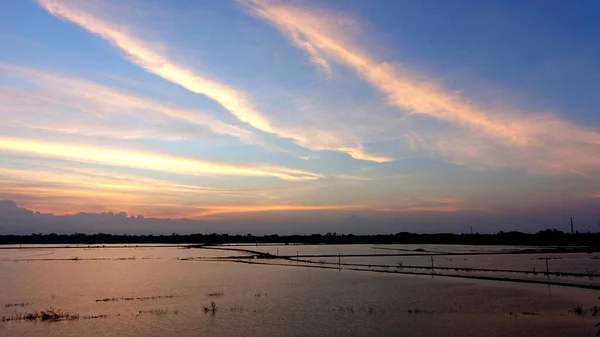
(296, 112)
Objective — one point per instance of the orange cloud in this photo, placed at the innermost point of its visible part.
(209, 211)
(147, 161)
(113, 183)
(65, 202)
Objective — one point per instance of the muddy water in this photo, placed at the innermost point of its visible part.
(155, 292)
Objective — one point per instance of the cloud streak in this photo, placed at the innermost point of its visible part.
(73, 178)
(143, 54)
(97, 103)
(146, 161)
(547, 143)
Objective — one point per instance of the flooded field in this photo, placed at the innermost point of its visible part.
(350, 290)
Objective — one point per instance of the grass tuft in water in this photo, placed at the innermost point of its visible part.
(418, 311)
(578, 310)
(356, 308)
(148, 298)
(215, 294)
(212, 307)
(155, 312)
(94, 316)
(9, 305)
(49, 315)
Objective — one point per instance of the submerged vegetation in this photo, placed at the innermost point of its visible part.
(355, 308)
(212, 307)
(524, 313)
(49, 315)
(95, 316)
(157, 312)
(148, 298)
(417, 311)
(10, 305)
(579, 310)
(215, 294)
(54, 315)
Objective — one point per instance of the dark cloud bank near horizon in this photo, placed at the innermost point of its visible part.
(21, 221)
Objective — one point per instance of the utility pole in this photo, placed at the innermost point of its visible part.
(471, 230)
(572, 232)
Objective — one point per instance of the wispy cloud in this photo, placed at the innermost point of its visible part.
(148, 161)
(359, 153)
(353, 177)
(427, 204)
(64, 95)
(315, 54)
(143, 54)
(67, 187)
(416, 209)
(547, 143)
(210, 211)
(77, 178)
(314, 28)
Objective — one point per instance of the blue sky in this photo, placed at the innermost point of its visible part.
(399, 112)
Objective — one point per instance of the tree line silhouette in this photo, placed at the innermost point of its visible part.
(549, 237)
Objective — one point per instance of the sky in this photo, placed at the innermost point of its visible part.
(271, 116)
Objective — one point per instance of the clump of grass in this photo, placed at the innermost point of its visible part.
(116, 299)
(9, 305)
(359, 308)
(94, 316)
(215, 294)
(155, 312)
(418, 311)
(113, 299)
(212, 307)
(237, 309)
(49, 315)
(578, 310)
(260, 294)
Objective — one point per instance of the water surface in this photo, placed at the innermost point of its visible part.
(158, 292)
